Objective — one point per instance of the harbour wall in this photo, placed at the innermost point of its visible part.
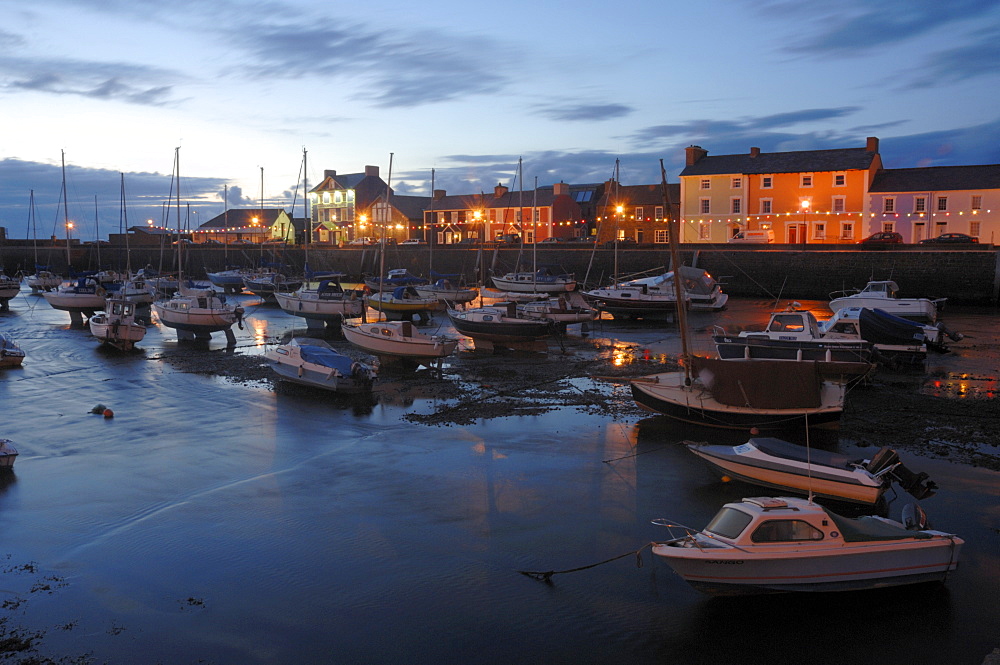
(966, 275)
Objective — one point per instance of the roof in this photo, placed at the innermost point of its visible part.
(937, 178)
(802, 161)
(411, 206)
(237, 217)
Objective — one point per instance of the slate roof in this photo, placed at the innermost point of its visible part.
(802, 161)
(411, 206)
(937, 179)
(243, 217)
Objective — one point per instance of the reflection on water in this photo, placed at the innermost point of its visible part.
(216, 522)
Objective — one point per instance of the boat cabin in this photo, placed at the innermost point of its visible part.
(792, 325)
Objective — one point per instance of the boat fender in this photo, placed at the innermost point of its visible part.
(239, 318)
(914, 518)
(301, 370)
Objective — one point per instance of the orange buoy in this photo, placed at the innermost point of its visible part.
(754, 431)
(108, 413)
(726, 479)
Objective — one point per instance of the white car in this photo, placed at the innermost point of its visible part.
(362, 241)
(755, 236)
(412, 241)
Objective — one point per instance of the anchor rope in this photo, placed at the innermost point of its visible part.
(546, 576)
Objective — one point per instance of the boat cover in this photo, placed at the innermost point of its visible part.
(864, 529)
(328, 358)
(761, 384)
(880, 327)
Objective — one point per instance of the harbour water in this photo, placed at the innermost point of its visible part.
(212, 521)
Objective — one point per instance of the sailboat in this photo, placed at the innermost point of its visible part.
(393, 340)
(43, 279)
(195, 313)
(739, 393)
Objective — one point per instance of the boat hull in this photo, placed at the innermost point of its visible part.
(390, 339)
(823, 351)
(915, 309)
(319, 308)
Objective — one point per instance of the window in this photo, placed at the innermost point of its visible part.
(766, 182)
(537, 215)
(704, 231)
(977, 202)
(326, 197)
(658, 213)
(839, 179)
(705, 206)
(706, 183)
(920, 204)
(776, 531)
(819, 230)
(974, 229)
(807, 180)
(638, 212)
(847, 230)
(888, 227)
(736, 206)
(942, 203)
(338, 197)
(839, 204)
(765, 206)
(889, 204)
(729, 523)
(737, 183)
(661, 235)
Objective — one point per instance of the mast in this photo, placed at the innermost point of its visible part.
(306, 219)
(65, 211)
(674, 228)
(385, 229)
(180, 245)
(617, 217)
(534, 241)
(31, 223)
(430, 239)
(124, 224)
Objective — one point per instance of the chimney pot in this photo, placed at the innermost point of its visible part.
(754, 152)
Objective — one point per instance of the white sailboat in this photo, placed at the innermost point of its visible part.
(193, 312)
(43, 279)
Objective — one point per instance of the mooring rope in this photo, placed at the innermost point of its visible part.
(546, 576)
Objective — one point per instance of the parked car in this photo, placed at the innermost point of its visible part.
(949, 238)
(241, 241)
(553, 239)
(883, 237)
(467, 241)
(365, 240)
(211, 241)
(620, 242)
(754, 236)
(412, 241)
(183, 241)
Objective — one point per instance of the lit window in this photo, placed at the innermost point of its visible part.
(704, 231)
(847, 230)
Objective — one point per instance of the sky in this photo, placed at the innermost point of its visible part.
(463, 90)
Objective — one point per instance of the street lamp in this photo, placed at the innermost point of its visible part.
(805, 225)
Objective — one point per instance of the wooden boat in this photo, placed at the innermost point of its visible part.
(8, 453)
(116, 325)
(328, 304)
(789, 467)
(740, 394)
(11, 355)
(398, 339)
(768, 545)
(884, 295)
(314, 363)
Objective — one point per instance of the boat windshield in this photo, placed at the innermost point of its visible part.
(729, 523)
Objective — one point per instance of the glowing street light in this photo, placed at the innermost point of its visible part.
(805, 211)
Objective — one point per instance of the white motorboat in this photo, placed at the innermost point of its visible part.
(81, 298)
(740, 394)
(116, 325)
(545, 279)
(197, 313)
(314, 363)
(8, 453)
(883, 295)
(793, 334)
(768, 545)
(11, 355)
(560, 310)
(328, 304)
(398, 339)
(9, 288)
(895, 340)
(656, 296)
(789, 467)
(231, 279)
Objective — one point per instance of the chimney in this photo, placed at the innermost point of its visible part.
(560, 189)
(371, 171)
(499, 191)
(872, 144)
(329, 174)
(754, 152)
(694, 153)
(439, 194)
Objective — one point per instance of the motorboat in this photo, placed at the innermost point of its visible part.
(745, 393)
(81, 298)
(784, 544)
(11, 355)
(655, 296)
(9, 288)
(499, 325)
(884, 295)
(445, 289)
(403, 303)
(394, 279)
(793, 334)
(116, 325)
(545, 279)
(789, 467)
(197, 313)
(895, 340)
(559, 309)
(231, 279)
(268, 285)
(390, 340)
(8, 453)
(43, 279)
(314, 363)
(327, 304)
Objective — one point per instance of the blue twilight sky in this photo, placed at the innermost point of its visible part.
(464, 88)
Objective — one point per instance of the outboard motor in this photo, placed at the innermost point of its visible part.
(916, 484)
(882, 461)
(953, 336)
(914, 518)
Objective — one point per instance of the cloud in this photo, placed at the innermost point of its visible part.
(394, 69)
(976, 58)
(581, 112)
(98, 80)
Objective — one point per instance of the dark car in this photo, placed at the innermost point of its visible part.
(620, 242)
(950, 238)
(883, 237)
